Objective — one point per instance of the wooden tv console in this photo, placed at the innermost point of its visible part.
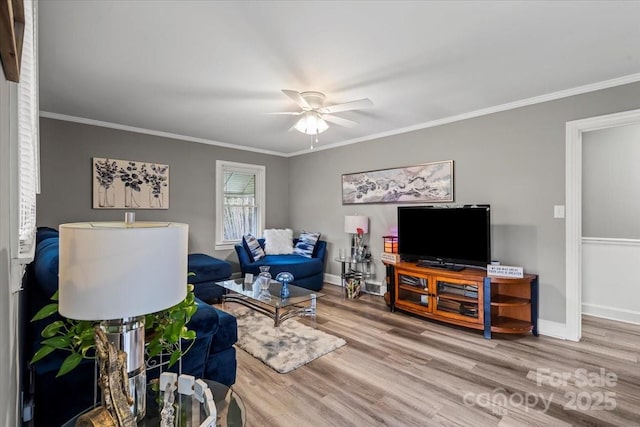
(466, 298)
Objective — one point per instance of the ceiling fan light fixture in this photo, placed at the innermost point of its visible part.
(311, 123)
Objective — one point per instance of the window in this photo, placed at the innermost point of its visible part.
(240, 190)
(28, 139)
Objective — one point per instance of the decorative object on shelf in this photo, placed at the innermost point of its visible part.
(263, 282)
(285, 278)
(505, 271)
(118, 273)
(352, 288)
(357, 226)
(121, 184)
(390, 244)
(264, 277)
(428, 182)
(114, 381)
(185, 385)
(389, 258)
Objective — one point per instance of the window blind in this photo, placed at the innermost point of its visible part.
(28, 137)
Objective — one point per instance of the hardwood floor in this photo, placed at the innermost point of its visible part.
(398, 370)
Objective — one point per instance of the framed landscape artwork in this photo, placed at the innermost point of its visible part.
(127, 184)
(425, 183)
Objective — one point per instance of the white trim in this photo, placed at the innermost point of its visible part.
(619, 81)
(84, 121)
(611, 313)
(632, 78)
(610, 241)
(573, 225)
(260, 189)
(333, 279)
(552, 329)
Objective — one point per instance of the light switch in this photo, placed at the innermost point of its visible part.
(558, 211)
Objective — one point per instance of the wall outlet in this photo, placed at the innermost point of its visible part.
(558, 211)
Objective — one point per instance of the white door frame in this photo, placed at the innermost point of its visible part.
(573, 224)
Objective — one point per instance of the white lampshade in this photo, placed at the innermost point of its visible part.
(113, 270)
(353, 222)
(311, 123)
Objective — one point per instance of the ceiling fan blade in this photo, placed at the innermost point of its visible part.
(297, 98)
(287, 113)
(351, 105)
(339, 121)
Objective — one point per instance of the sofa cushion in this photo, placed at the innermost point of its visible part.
(227, 332)
(278, 241)
(44, 233)
(45, 266)
(253, 247)
(306, 244)
(297, 265)
(207, 268)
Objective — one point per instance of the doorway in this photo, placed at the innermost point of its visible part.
(573, 225)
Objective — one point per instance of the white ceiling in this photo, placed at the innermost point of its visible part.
(211, 70)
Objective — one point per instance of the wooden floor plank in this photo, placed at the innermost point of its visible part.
(400, 370)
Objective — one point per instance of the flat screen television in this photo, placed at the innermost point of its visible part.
(447, 237)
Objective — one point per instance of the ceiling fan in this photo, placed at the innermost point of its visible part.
(315, 114)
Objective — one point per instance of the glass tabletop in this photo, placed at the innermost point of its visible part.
(353, 260)
(229, 407)
(270, 297)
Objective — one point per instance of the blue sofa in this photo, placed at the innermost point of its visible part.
(58, 399)
(307, 272)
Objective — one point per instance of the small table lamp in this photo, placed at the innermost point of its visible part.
(117, 272)
(353, 223)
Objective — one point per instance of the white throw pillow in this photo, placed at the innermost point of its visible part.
(278, 241)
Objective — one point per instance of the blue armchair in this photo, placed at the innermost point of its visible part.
(308, 272)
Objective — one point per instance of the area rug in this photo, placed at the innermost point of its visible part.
(285, 348)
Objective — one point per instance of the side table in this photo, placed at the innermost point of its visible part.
(229, 407)
(352, 269)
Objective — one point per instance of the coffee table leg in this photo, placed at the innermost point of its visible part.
(276, 318)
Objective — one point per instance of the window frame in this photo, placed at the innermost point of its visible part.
(223, 166)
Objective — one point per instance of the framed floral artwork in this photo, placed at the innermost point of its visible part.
(127, 184)
(425, 183)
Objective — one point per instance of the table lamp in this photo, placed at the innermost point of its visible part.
(357, 226)
(117, 272)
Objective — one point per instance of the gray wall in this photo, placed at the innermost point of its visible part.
(610, 183)
(66, 169)
(513, 160)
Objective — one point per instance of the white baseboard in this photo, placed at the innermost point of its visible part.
(552, 329)
(333, 279)
(611, 313)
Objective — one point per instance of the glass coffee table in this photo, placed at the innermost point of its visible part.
(301, 301)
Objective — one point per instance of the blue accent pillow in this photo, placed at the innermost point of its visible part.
(306, 244)
(252, 246)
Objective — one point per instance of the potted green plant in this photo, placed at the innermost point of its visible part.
(164, 331)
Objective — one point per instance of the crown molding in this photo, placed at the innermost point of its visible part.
(85, 121)
(619, 81)
(632, 78)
